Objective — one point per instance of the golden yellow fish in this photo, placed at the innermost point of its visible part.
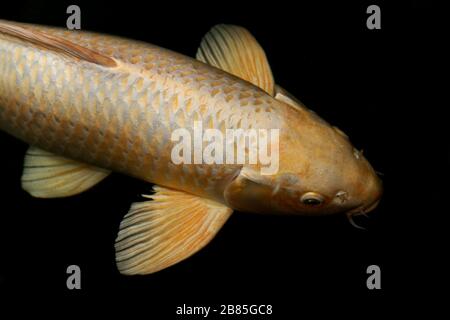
(89, 104)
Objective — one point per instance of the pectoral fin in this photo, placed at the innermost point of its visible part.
(157, 234)
(234, 50)
(46, 175)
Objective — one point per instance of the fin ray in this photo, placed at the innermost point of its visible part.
(52, 176)
(234, 50)
(158, 233)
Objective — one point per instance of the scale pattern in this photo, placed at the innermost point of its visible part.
(122, 117)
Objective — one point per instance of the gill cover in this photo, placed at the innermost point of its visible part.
(247, 189)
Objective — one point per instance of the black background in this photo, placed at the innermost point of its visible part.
(369, 83)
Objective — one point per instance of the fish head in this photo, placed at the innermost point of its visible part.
(319, 173)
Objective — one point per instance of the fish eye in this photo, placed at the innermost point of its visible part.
(312, 199)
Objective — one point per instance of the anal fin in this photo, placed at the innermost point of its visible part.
(47, 175)
(157, 234)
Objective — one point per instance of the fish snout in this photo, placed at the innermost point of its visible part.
(370, 196)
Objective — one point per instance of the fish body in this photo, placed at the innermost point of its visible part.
(89, 104)
(121, 118)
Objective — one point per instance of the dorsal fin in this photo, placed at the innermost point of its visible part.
(234, 50)
(56, 44)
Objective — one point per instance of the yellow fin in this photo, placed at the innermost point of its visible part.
(234, 50)
(46, 175)
(157, 234)
(55, 43)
